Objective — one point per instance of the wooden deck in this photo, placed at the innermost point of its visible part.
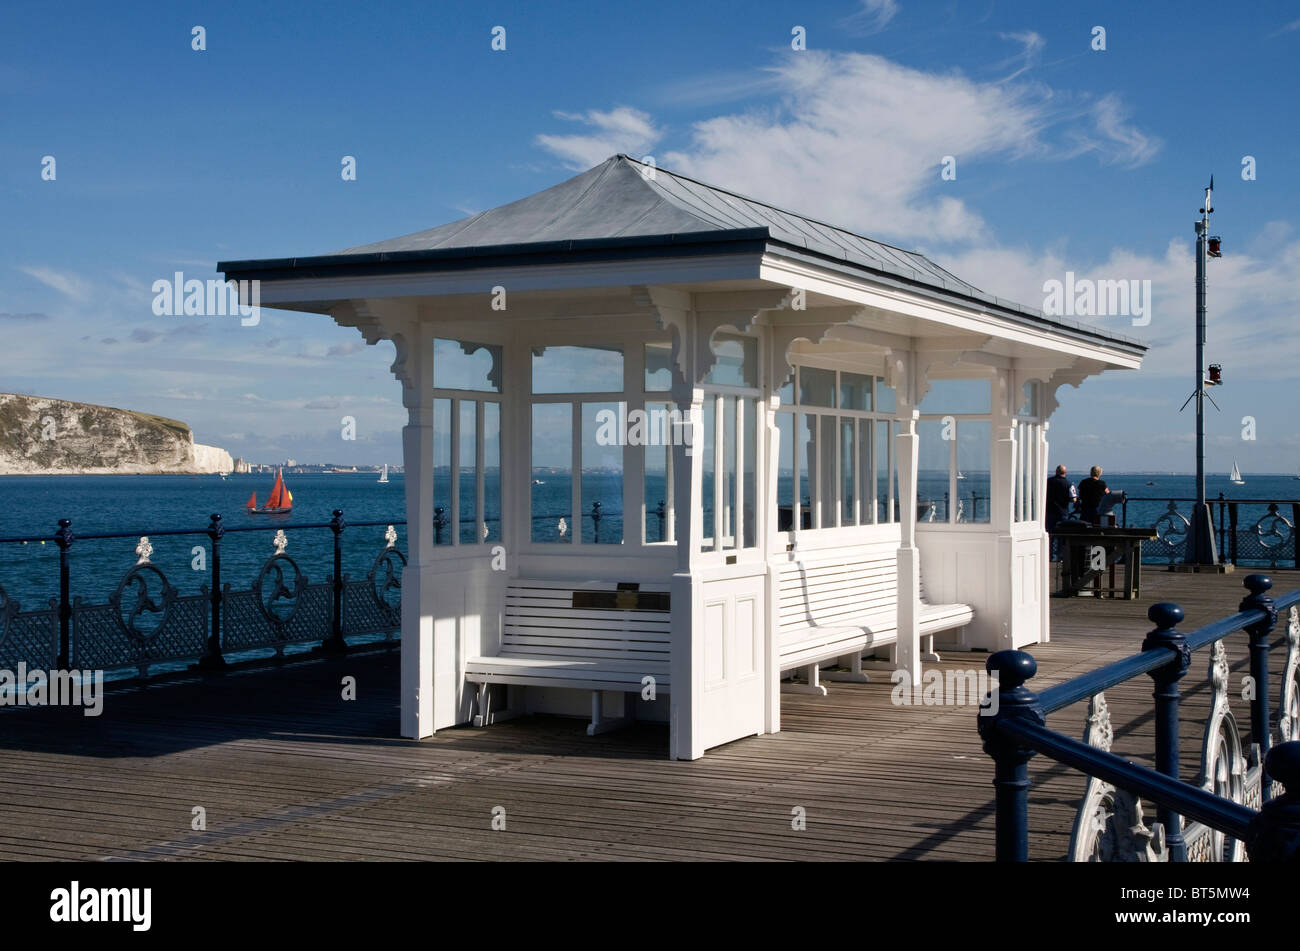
(286, 769)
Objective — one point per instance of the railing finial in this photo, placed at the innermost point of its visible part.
(1010, 757)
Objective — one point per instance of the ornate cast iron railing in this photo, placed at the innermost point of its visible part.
(1237, 806)
(146, 621)
(1254, 532)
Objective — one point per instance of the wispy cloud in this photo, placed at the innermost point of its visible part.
(65, 282)
(619, 130)
(873, 16)
(25, 318)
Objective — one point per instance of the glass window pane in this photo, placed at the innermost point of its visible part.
(786, 392)
(658, 367)
(552, 472)
(816, 387)
(848, 495)
(442, 516)
(973, 471)
(727, 518)
(884, 464)
(828, 473)
(658, 466)
(707, 467)
(867, 475)
(602, 478)
(737, 363)
(855, 391)
(578, 370)
(806, 450)
(750, 466)
(467, 501)
(1029, 400)
(461, 365)
(785, 472)
(957, 396)
(492, 471)
(886, 398)
(935, 456)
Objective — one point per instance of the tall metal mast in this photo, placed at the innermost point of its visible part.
(1201, 549)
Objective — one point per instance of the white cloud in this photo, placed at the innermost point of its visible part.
(858, 140)
(65, 282)
(620, 130)
(873, 17)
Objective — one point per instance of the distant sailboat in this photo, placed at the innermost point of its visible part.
(1235, 477)
(960, 475)
(384, 476)
(281, 499)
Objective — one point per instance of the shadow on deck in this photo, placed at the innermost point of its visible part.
(284, 768)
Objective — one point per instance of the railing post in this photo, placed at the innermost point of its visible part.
(1295, 527)
(439, 520)
(335, 641)
(1166, 616)
(63, 538)
(1274, 834)
(1010, 758)
(1232, 532)
(595, 522)
(213, 658)
(1260, 632)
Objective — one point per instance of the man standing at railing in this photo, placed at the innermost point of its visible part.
(1061, 496)
(1092, 491)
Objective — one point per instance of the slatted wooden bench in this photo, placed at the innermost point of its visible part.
(837, 609)
(593, 635)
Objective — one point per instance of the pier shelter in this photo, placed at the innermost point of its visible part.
(672, 451)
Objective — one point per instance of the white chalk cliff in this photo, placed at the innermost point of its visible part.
(41, 436)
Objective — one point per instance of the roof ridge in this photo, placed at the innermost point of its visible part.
(778, 208)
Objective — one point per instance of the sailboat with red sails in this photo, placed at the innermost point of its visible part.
(280, 501)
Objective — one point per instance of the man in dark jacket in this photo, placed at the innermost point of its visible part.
(1091, 493)
(1060, 497)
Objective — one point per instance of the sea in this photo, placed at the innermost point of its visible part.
(30, 507)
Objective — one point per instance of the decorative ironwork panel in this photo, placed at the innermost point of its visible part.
(282, 607)
(145, 621)
(1270, 541)
(374, 606)
(30, 637)
(1109, 825)
(1172, 531)
(1288, 712)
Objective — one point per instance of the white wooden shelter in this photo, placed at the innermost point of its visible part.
(837, 395)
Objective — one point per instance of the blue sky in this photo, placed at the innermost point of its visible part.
(1068, 158)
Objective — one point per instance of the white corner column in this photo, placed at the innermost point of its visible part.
(906, 445)
(686, 738)
(415, 369)
(1003, 479)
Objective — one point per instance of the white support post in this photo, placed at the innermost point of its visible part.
(909, 556)
(687, 663)
(415, 355)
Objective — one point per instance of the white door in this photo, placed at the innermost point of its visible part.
(731, 699)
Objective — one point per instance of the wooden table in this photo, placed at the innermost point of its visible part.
(1124, 544)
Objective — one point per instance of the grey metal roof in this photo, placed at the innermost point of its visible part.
(622, 203)
(623, 198)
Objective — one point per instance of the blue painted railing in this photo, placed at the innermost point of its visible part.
(147, 622)
(1018, 730)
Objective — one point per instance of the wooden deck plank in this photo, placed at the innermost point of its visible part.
(287, 770)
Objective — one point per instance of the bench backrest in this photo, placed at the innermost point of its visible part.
(587, 619)
(829, 593)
